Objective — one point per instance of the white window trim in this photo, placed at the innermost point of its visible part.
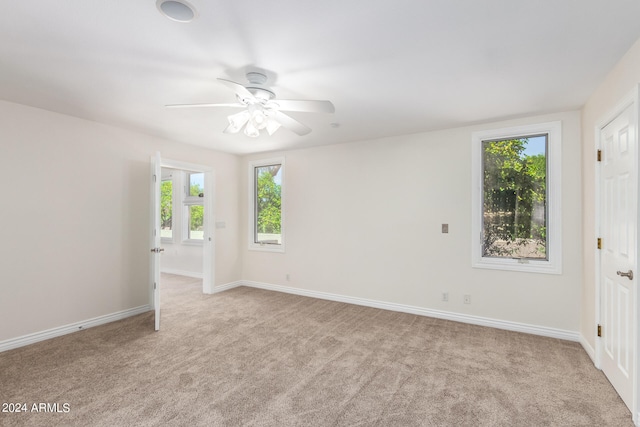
(187, 201)
(185, 227)
(554, 209)
(266, 247)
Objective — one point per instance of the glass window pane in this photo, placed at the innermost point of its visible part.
(196, 184)
(196, 222)
(166, 209)
(268, 212)
(515, 198)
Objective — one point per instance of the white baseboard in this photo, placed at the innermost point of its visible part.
(194, 274)
(457, 317)
(447, 315)
(588, 348)
(73, 327)
(227, 286)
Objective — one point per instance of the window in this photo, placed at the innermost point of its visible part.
(266, 205)
(516, 198)
(194, 206)
(166, 209)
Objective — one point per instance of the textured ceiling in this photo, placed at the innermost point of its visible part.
(389, 67)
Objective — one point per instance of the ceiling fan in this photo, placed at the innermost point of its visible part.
(262, 110)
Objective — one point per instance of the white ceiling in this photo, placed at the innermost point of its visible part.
(389, 66)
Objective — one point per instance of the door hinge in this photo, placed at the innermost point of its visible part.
(155, 178)
(154, 287)
(599, 330)
(599, 243)
(599, 155)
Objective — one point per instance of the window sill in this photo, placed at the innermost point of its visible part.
(524, 266)
(266, 247)
(192, 242)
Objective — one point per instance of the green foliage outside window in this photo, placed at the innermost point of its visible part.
(166, 213)
(515, 188)
(195, 212)
(269, 201)
(196, 218)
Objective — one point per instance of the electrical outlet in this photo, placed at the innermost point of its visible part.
(445, 296)
(467, 299)
(445, 228)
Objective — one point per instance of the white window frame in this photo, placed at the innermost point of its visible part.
(554, 210)
(187, 202)
(267, 247)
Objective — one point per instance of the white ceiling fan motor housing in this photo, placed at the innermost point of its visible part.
(256, 82)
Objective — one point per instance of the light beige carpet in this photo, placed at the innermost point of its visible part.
(248, 357)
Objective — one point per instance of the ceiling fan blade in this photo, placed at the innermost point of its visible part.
(291, 123)
(302, 105)
(240, 90)
(205, 105)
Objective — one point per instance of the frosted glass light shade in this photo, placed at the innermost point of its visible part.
(251, 130)
(253, 120)
(236, 121)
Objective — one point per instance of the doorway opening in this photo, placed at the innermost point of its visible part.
(182, 222)
(196, 210)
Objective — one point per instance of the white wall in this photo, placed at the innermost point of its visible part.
(364, 220)
(624, 78)
(182, 259)
(75, 218)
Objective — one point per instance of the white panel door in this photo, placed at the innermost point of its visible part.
(618, 222)
(156, 250)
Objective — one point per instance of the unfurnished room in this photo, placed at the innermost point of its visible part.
(327, 213)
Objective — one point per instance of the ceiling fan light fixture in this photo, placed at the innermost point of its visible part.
(251, 131)
(259, 120)
(260, 111)
(254, 119)
(236, 121)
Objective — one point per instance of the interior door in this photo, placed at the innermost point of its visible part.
(156, 250)
(618, 223)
